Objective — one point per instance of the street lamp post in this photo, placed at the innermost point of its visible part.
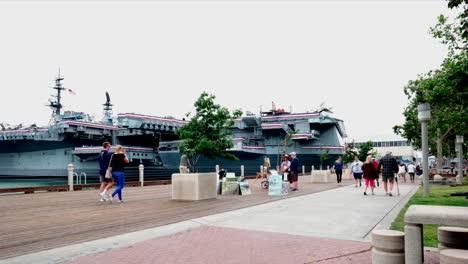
(424, 115)
(459, 142)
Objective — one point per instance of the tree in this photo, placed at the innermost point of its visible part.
(462, 17)
(286, 143)
(365, 150)
(323, 157)
(445, 89)
(350, 153)
(208, 131)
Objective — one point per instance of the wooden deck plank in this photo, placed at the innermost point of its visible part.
(40, 221)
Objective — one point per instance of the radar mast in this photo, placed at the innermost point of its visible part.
(56, 106)
(108, 110)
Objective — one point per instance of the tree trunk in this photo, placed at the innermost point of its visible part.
(195, 161)
(439, 150)
(439, 141)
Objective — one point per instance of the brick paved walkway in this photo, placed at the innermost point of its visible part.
(209, 244)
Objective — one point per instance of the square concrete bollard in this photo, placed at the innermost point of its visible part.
(414, 251)
(320, 175)
(347, 175)
(305, 179)
(194, 186)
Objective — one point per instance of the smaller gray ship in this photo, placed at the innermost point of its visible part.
(74, 137)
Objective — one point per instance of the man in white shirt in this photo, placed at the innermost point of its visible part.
(356, 169)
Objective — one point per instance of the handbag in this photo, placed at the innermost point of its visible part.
(109, 169)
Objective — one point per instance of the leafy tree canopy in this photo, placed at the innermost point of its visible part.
(323, 157)
(208, 131)
(445, 89)
(462, 29)
(365, 150)
(350, 153)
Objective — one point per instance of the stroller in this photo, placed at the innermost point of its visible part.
(265, 183)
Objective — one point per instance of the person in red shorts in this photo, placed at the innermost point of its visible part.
(368, 170)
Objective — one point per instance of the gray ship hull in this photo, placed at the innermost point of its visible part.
(251, 162)
(44, 163)
(54, 164)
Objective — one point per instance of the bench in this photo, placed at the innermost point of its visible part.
(417, 215)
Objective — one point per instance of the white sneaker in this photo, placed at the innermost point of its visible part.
(103, 199)
(103, 195)
(110, 198)
(122, 201)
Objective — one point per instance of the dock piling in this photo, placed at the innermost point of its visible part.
(71, 168)
(141, 170)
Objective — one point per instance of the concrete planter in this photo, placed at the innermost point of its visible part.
(194, 186)
(321, 176)
(347, 175)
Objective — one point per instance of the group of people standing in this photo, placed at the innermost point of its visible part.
(116, 162)
(290, 167)
(371, 169)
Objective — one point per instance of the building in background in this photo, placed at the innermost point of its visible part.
(401, 148)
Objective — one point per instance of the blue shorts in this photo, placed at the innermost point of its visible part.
(357, 175)
(102, 177)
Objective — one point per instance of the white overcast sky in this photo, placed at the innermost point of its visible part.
(157, 57)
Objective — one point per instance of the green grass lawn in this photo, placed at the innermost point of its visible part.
(438, 195)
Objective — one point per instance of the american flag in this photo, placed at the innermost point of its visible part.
(71, 91)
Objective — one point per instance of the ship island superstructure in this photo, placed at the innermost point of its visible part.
(272, 134)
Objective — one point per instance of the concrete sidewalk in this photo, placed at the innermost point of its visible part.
(327, 227)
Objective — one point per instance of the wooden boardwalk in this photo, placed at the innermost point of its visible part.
(41, 221)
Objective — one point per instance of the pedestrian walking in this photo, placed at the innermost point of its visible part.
(377, 172)
(338, 167)
(104, 160)
(411, 171)
(184, 166)
(294, 171)
(356, 169)
(402, 171)
(119, 160)
(389, 167)
(368, 170)
(419, 169)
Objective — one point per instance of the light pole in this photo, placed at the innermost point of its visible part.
(424, 115)
(459, 142)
